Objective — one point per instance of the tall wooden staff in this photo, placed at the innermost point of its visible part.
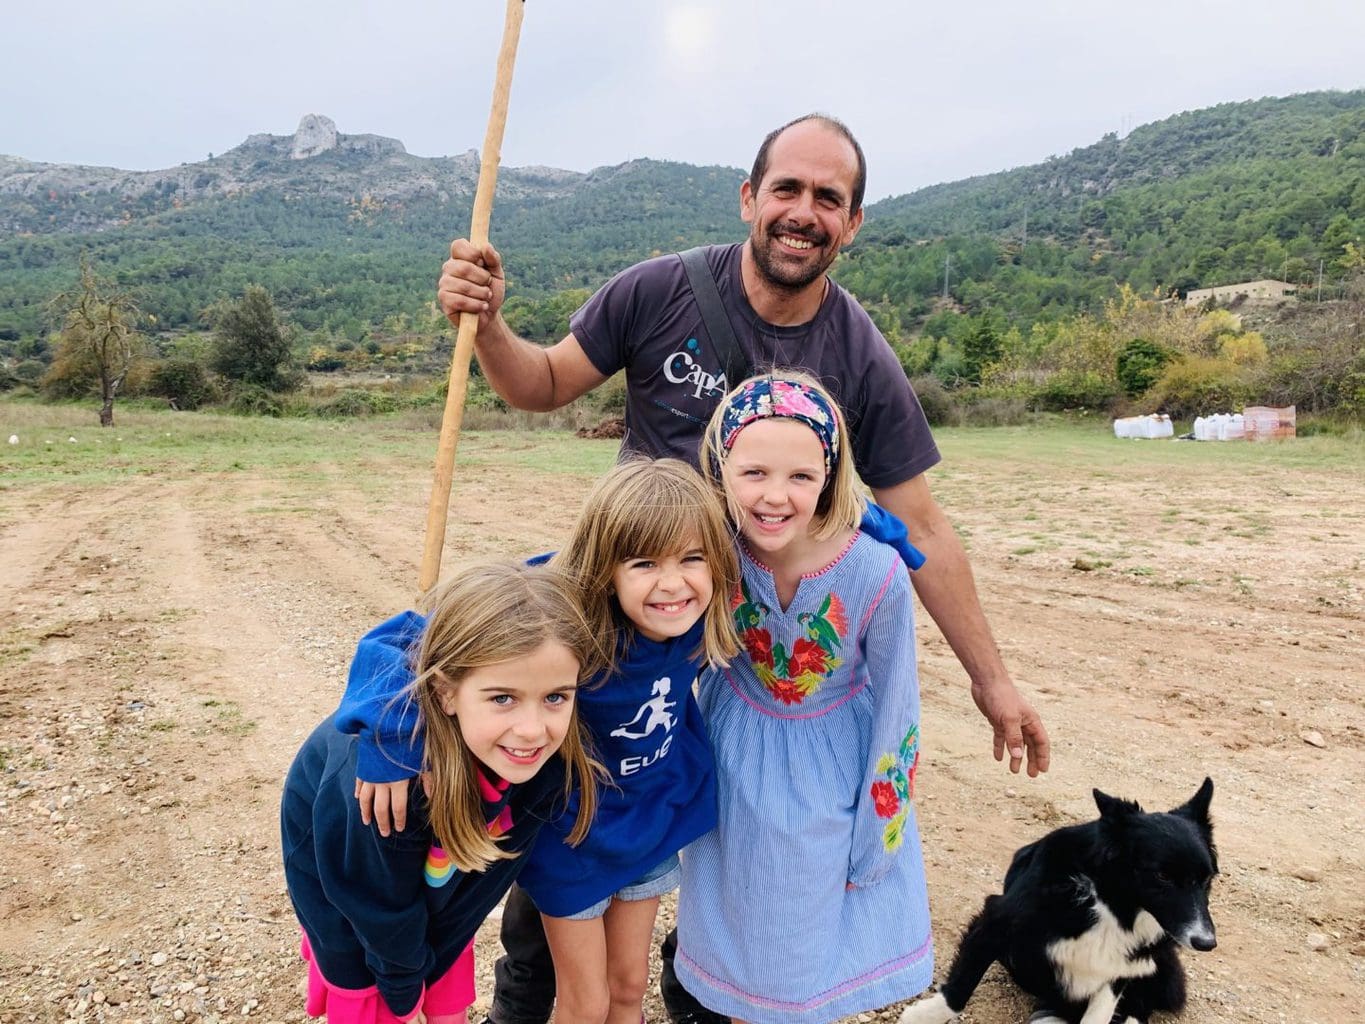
(439, 504)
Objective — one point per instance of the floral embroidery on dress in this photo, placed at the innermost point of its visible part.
(892, 794)
(792, 676)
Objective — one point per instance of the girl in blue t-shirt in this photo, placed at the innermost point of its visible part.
(654, 562)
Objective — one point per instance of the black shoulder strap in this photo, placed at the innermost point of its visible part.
(713, 314)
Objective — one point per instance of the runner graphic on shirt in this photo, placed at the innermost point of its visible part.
(656, 708)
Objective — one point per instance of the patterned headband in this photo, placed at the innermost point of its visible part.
(768, 397)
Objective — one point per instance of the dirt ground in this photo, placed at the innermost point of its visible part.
(167, 640)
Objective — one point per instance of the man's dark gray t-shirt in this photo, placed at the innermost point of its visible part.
(646, 321)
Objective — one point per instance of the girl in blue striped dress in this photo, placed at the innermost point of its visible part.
(808, 902)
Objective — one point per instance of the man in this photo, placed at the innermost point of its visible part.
(803, 203)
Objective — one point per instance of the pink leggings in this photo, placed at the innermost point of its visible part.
(444, 1002)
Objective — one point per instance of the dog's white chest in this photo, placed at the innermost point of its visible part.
(1102, 954)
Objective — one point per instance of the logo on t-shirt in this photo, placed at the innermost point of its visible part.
(681, 367)
(654, 714)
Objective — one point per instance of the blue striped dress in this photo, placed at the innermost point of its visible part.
(816, 734)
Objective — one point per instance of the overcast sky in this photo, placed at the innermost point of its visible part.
(936, 92)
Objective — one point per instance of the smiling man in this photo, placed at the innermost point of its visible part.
(803, 202)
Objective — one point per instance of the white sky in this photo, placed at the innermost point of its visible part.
(935, 92)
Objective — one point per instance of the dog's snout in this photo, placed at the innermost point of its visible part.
(1204, 943)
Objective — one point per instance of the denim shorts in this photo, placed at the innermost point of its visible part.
(652, 883)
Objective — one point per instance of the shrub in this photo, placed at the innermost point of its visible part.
(254, 400)
(1139, 365)
(1074, 389)
(356, 402)
(183, 381)
(937, 403)
(988, 410)
(1196, 385)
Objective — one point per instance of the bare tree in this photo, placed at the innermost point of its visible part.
(98, 335)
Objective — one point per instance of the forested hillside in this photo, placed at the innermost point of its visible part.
(1241, 191)
(344, 265)
(1040, 284)
(344, 240)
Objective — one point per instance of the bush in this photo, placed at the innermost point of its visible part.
(1139, 364)
(937, 403)
(254, 400)
(356, 402)
(184, 382)
(1074, 389)
(987, 410)
(1196, 386)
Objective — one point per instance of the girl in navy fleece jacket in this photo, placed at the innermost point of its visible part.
(491, 677)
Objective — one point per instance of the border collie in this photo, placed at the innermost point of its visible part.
(1091, 917)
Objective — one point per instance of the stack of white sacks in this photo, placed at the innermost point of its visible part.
(1144, 426)
(1221, 426)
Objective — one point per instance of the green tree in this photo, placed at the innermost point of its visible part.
(1139, 365)
(251, 346)
(980, 348)
(98, 344)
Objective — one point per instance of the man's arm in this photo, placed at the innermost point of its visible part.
(946, 587)
(526, 375)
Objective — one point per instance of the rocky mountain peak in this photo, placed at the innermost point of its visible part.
(316, 134)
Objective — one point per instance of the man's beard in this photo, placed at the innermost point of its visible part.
(780, 274)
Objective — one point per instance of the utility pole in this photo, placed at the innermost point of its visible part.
(947, 261)
(1319, 279)
(1025, 241)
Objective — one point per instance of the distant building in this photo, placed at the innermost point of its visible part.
(1255, 292)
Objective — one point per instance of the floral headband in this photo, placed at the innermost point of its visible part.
(768, 397)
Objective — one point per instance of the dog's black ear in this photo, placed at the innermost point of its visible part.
(1196, 808)
(1113, 807)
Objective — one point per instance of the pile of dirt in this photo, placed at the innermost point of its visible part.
(610, 429)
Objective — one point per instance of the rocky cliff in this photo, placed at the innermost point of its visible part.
(315, 161)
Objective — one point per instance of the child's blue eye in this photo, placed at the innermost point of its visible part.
(558, 699)
(501, 699)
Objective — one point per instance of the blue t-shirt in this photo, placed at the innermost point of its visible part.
(649, 733)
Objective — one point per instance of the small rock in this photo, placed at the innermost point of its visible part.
(159, 959)
(1308, 874)
(1313, 738)
(1317, 941)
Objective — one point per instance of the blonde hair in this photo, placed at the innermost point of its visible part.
(644, 508)
(841, 504)
(485, 615)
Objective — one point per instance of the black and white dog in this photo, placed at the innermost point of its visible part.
(1091, 916)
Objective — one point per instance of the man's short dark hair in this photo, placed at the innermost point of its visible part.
(760, 167)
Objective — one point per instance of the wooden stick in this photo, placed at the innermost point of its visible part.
(438, 506)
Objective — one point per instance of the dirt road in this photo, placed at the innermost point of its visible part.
(168, 639)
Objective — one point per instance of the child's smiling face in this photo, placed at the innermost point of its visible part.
(515, 714)
(774, 474)
(663, 596)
